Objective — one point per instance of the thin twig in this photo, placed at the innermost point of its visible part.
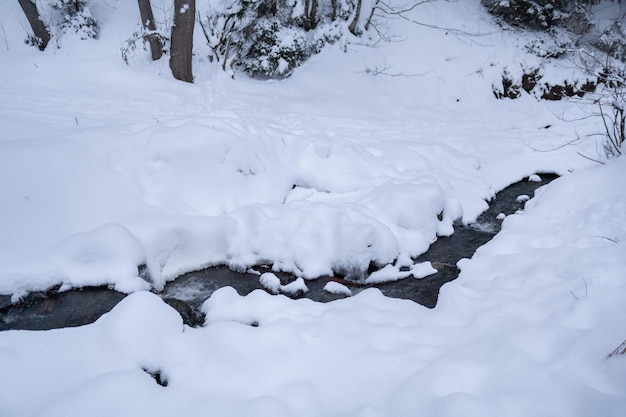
(589, 158)
(620, 350)
(608, 238)
(383, 71)
(571, 142)
(4, 36)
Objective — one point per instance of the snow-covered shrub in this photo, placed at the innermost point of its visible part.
(611, 104)
(76, 17)
(509, 88)
(555, 43)
(562, 23)
(529, 80)
(138, 41)
(561, 29)
(270, 38)
(275, 50)
(562, 26)
(543, 14)
(612, 41)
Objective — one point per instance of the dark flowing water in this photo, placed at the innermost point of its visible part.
(53, 309)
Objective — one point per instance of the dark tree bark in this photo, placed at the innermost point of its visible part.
(40, 30)
(357, 14)
(310, 12)
(147, 20)
(181, 47)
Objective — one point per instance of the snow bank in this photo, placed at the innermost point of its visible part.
(108, 255)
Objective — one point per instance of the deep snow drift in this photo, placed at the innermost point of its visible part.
(105, 167)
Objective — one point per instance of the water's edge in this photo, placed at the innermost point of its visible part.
(53, 309)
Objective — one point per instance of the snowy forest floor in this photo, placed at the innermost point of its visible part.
(105, 167)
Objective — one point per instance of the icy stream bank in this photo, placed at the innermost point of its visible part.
(53, 309)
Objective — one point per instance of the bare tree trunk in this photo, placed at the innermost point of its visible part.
(310, 11)
(357, 15)
(368, 22)
(306, 23)
(147, 20)
(181, 47)
(313, 13)
(40, 30)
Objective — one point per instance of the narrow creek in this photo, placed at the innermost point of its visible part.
(52, 309)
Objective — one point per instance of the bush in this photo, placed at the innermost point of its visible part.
(611, 102)
(612, 41)
(270, 38)
(273, 50)
(76, 18)
(543, 14)
(138, 40)
(562, 27)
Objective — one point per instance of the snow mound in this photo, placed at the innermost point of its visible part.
(386, 274)
(272, 283)
(109, 255)
(337, 288)
(422, 270)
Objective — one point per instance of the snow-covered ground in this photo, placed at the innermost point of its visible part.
(106, 166)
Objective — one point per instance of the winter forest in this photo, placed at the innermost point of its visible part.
(312, 208)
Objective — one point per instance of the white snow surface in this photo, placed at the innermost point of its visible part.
(271, 282)
(422, 270)
(334, 287)
(105, 167)
(327, 171)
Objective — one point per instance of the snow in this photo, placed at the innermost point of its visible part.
(242, 172)
(393, 273)
(387, 273)
(422, 270)
(298, 286)
(271, 282)
(334, 287)
(106, 167)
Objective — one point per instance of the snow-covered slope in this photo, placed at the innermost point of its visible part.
(106, 166)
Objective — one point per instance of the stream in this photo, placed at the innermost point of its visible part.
(52, 309)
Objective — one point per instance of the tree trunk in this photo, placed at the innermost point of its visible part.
(357, 14)
(147, 20)
(313, 14)
(305, 15)
(368, 22)
(40, 30)
(310, 11)
(181, 47)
